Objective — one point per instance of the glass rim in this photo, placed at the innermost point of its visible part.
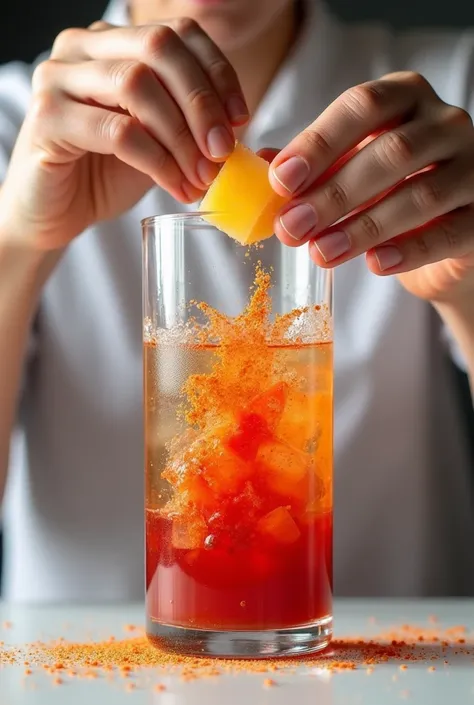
(191, 217)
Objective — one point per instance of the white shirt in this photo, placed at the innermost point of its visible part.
(73, 515)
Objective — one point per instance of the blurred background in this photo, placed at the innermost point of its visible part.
(28, 27)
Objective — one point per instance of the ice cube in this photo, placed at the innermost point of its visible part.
(189, 532)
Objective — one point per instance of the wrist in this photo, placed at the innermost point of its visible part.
(24, 265)
(459, 318)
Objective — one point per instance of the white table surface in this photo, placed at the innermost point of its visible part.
(447, 685)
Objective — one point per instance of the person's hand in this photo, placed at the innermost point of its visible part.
(115, 111)
(395, 164)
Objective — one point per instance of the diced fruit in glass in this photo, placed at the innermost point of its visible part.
(270, 404)
(251, 431)
(188, 532)
(320, 500)
(285, 469)
(225, 472)
(280, 526)
(300, 422)
(241, 202)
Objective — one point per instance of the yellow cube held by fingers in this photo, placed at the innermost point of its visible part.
(241, 202)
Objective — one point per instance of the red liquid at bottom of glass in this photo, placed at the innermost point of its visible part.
(250, 586)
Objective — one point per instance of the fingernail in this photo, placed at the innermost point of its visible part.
(299, 220)
(388, 256)
(220, 142)
(237, 110)
(333, 245)
(292, 173)
(207, 171)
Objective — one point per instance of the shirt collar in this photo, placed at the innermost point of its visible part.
(297, 94)
(116, 12)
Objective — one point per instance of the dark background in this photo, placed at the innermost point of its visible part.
(27, 27)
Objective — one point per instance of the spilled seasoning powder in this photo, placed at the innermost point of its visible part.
(133, 655)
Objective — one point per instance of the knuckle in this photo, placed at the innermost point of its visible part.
(366, 99)
(43, 107)
(336, 196)
(202, 99)
(162, 162)
(119, 129)
(42, 75)
(416, 80)
(182, 135)
(369, 229)
(98, 25)
(222, 72)
(423, 246)
(457, 117)
(394, 150)
(67, 38)
(427, 195)
(157, 40)
(450, 236)
(315, 142)
(130, 77)
(185, 25)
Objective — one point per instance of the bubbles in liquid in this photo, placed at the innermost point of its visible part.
(209, 541)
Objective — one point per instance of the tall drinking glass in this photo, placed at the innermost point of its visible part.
(238, 378)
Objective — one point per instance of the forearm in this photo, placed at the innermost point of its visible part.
(23, 272)
(459, 318)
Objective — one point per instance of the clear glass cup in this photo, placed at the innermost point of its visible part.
(238, 390)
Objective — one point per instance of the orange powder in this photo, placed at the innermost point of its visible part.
(135, 655)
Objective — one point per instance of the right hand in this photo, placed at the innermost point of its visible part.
(115, 111)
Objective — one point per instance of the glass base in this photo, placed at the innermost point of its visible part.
(272, 643)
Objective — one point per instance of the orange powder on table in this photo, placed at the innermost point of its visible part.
(138, 655)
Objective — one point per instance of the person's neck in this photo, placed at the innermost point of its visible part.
(258, 62)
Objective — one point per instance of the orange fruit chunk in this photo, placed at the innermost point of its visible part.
(280, 526)
(240, 201)
(285, 470)
(301, 420)
(226, 473)
(188, 532)
(270, 404)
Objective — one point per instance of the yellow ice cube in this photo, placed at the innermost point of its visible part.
(241, 201)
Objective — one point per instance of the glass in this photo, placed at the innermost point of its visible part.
(238, 390)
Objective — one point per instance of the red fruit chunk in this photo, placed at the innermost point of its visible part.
(197, 491)
(270, 404)
(280, 526)
(251, 432)
(218, 569)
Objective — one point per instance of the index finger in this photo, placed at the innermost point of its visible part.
(217, 67)
(350, 119)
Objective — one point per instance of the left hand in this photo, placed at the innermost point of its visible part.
(396, 164)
